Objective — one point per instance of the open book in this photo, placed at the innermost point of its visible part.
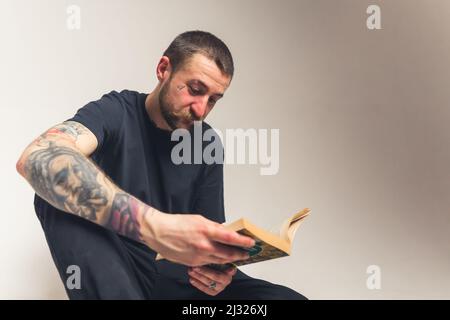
(268, 245)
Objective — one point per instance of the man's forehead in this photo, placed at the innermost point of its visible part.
(200, 69)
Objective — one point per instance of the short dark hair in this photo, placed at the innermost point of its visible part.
(185, 45)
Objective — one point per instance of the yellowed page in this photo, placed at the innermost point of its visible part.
(290, 225)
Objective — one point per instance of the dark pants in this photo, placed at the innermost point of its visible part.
(113, 267)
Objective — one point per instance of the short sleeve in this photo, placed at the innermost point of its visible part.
(103, 117)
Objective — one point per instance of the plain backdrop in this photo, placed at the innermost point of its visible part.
(363, 118)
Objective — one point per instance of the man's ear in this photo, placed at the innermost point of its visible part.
(163, 69)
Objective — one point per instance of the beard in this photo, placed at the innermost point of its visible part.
(175, 120)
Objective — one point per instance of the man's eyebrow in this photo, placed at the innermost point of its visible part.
(204, 86)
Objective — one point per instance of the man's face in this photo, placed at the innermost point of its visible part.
(75, 185)
(191, 92)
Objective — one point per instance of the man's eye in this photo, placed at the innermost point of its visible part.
(194, 92)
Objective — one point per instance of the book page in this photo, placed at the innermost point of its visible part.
(290, 225)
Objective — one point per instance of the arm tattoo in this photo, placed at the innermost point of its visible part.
(69, 129)
(126, 212)
(72, 183)
(67, 179)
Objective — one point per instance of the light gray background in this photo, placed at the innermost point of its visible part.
(363, 118)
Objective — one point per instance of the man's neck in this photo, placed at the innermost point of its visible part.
(154, 111)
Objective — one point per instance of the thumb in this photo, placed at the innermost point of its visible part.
(231, 271)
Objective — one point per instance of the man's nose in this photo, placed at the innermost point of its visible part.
(198, 108)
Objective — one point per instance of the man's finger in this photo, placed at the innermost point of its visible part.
(231, 271)
(200, 286)
(207, 277)
(230, 254)
(232, 238)
(219, 276)
(216, 260)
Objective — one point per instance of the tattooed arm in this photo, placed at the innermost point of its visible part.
(57, 166)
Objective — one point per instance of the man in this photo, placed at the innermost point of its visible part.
(111, 165)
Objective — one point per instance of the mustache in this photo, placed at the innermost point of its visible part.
(187, 116)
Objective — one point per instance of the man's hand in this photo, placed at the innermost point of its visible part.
(193, 240)
(210, 281)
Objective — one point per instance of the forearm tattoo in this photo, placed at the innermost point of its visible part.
(126, 214)
(72, 183)
(67, 179)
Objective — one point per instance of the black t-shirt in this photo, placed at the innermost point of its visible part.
(136, 155)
